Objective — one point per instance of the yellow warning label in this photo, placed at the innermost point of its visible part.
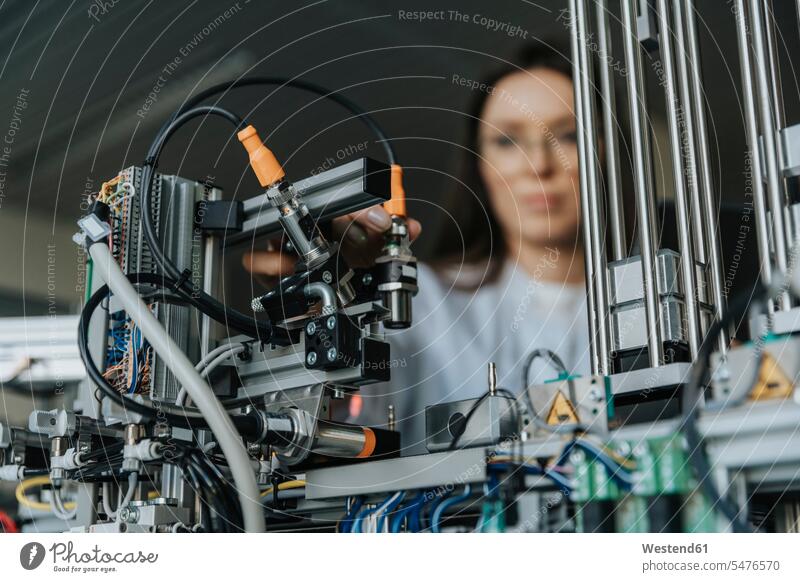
(562, 410)
(772, 381)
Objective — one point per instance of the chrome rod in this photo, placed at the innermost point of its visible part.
(598, 256)
(754, 151)
(689, 65)
(583, 163)
(686, 124)
(775, 192)
(675, 112)
(774, 68)
(642, 168)
(615, 202)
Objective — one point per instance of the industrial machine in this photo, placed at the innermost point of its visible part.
(198, 417)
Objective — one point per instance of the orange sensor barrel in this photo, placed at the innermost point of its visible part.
(264, 163)
(397, 205)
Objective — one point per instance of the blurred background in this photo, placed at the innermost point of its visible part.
(85, 85)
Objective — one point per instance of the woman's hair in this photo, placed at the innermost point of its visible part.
(472, 234)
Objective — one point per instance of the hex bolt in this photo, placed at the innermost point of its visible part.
(332, 354)
(128, 515)
(327, 276)
(367, 278)
(331, 323)
(311, 328)
(311, 358)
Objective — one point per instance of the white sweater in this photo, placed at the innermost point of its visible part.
(456, 333)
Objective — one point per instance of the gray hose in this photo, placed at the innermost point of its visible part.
(176, 360)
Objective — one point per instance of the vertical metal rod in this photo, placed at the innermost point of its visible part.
(615, 202)
(779, 116)
(777, 200)
(675, 112)
(643, 184)
(586, 126)
(751, 125)
(689, 65)
(774, 67)
(688, 137)
(212, 267)
(584, 189)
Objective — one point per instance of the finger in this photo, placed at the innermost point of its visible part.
(374, 219)
(347, 231)
(414, 228)
(353, 232)
(271, 263)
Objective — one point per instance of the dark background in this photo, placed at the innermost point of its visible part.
(89, 66)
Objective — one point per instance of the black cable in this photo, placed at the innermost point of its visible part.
(230, 501)
(204, 302)
(214, 491)
(690, 398)
(173, 415)
(475, 405)
(194, 483)
(556, 362)
(213, 498)
(334, 96)
(190, 110)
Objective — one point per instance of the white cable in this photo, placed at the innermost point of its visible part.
(133, 480)
(110, 513)
(214, 353)
(57, 505)
(382, 509)
(213, 364)
(218, 420)
(206, 367)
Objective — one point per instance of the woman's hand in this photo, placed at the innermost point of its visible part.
(360, 235)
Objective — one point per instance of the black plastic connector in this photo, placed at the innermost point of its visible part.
(219, 215)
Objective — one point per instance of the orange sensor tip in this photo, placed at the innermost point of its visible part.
(264, 163)
(369, 444)
(397, 205)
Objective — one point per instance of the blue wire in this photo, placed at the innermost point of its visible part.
(346, 524)
(409, 509)
(416, 516)
(357, 520)
(393, 501)
(617, 472)
(562, 482)
(437, 502)
(361, 516)
(437, 515)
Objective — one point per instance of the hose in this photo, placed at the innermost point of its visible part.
(218, 420)
(349, 105)
(21, 494)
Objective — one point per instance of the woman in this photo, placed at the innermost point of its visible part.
(512, 277)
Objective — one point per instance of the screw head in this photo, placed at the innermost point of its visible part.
(367, 278)
(128, 515)
(311, 358)
(311, 328)
(331, 322)
(327, 276)
(332, 354)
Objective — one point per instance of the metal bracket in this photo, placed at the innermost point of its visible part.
(305, 406)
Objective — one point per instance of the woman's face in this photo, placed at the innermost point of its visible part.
(529, 157)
